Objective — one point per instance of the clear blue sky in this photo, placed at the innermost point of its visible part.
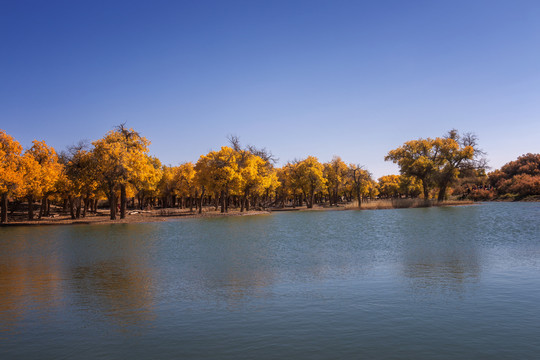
(323, 78)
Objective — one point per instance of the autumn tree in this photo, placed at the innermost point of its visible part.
(186, 185)
(81, 182)
(145, 186)
(361, 181)
(335, 173)
(217, 172)
(437, 162)
(309, 173)
(10, 171)
(453, 155)
(167, 186)
(389, 186)
(121, 159)
(416, 158)
(286, 186)
(41, 171)
(520, 177)
(257, 176)
(410, 186)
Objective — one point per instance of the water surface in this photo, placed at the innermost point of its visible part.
(435, 283)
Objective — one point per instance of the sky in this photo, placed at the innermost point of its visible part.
(322, 78)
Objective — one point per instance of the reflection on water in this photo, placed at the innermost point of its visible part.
(28, 282)
(117, 289)
(49, 270)
(442, 255)
(415, 283)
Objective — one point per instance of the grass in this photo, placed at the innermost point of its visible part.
(405, 203)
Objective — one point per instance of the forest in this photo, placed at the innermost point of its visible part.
(117, 173)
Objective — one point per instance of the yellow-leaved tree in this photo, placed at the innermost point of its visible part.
(145, 186)
(121, 160)
(217, 172)
(335, 173)
(437, 161)
(41, 172)
(359, 179)
(11, 176)
(167, 186)
(81, 182)
(186, 184)
(389, 186)
(309, 173)
(416, 158)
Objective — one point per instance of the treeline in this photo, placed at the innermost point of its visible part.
(517, 179)
(117, 168)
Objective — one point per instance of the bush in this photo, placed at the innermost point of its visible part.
(481, 195)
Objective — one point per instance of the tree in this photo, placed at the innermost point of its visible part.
(335, 173)
(452, 156)
(410, 186)
(167, 185)
(10, 171)
(146, 185)
(218, 172)
(361, 181)
(389, 186)
(416, 158)
(437, 161)
(121, 159)
(520, 177)
(186, 184)
(41, 171)
(309, 173)
(81, 178)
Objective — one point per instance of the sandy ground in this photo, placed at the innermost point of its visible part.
(139, 216)
(133, 216)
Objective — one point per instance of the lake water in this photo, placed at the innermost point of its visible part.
(435, 283)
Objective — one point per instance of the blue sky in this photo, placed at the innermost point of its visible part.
(323, 78)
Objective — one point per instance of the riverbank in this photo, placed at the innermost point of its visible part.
(158, 215)
(133, 216)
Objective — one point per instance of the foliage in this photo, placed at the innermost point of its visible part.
(335, 173)
(520, 177)
(437, 162)
(11, 176)
(389, 186)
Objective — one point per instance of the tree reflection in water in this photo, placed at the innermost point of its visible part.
(30, 280)
(119, 289)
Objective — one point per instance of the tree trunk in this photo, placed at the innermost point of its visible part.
(310, 200)
(30, 208)
(71, 207)
(426, 190)
(4, 205)
(86, 203)
(200, 201)
(222, 199)
(78, 208)
(123, 201)
(48, 208)
(442, 193)
(112, 202)
(43, 207)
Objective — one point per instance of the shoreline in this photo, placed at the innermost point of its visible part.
(133, 217)
(161, 215)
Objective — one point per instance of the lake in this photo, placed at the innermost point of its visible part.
(432, 283)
